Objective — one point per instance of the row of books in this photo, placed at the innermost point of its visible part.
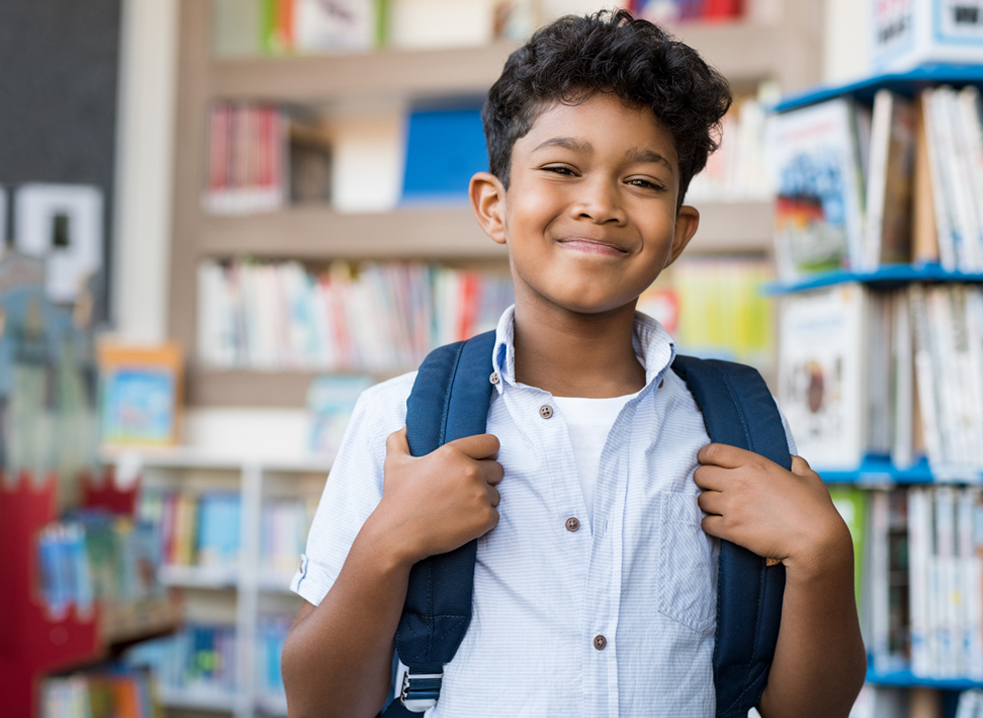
(114, 693)
(896, 373)
(246, 158)
(715, 308)
(198, 658)
(896, 183)
(194, 529)
(738, 170)
(275, 27)
(93, 557)
(375, 317)
(673, 11)
(285, 524)
(920, 577)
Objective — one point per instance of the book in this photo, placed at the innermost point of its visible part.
(904, 35)
(819, 202)
(888, 206)
(336, 26)
(924, 235)
(371, 317)
(822, 373)
(199, 657)
(194, 529)
(444, 148)
(247, 158)
(140, 394)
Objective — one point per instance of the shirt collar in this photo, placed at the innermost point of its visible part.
(653, 346)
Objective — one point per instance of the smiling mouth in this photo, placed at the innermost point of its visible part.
(592, 246)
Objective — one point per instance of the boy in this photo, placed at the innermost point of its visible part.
(595, 495)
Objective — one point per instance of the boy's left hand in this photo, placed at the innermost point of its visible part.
(757, 504)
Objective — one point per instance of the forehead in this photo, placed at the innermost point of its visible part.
(602, 120)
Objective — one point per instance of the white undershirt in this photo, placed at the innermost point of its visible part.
(589, 422)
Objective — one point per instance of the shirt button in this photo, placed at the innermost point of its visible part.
(546, 411)
(573, 523)
(600, 642)
(494, 378)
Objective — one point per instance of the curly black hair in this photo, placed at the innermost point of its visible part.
(576, 57)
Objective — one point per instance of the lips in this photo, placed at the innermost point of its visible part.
(592, 246)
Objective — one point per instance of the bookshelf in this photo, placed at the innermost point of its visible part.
(782, 45)
(925, 640)
(240, 595)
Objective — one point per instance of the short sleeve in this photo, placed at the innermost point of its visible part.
(354, 487)
(788, 431)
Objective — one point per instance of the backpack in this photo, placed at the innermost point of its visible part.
(450, 400)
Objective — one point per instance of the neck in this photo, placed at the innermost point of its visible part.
(576, 355)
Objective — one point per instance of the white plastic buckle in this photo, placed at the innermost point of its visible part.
(417, 705)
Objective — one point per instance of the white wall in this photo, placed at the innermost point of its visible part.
(145, 152)
(847, 30)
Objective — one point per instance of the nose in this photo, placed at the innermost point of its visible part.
(599, 202)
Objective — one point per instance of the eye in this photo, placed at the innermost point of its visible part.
(646, 184)
(560, 170)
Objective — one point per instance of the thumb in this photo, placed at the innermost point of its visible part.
(800, 466)
(396, 444)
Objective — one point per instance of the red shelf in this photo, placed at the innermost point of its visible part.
(32, 642)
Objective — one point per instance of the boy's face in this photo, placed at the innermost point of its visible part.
(590, 217)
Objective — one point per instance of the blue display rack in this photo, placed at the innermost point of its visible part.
(906, 679)
(883, 277)
(879, 470)
(904, 83)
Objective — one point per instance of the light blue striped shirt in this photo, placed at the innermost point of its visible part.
(644, 578)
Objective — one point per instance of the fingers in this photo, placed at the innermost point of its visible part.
(479, 446)
(711, 502)
(711, 478)
(713, 525)
(494, 497)
(491, 471)
(728, 457)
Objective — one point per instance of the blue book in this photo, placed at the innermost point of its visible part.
(218, 529)
(443, 149)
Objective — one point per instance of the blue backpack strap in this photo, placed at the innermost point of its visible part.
(739, 410)
(449, 401)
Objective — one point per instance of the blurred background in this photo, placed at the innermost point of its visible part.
(221, 220)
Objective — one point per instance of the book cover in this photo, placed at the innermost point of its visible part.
(140, 389)
(821, 374)
(818, 215)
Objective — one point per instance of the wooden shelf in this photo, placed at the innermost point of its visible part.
(387, 74)
(320, 232)
(430, 233)
(744, 52)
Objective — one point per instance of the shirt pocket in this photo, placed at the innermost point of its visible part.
(687, 579)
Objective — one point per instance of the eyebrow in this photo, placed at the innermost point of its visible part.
(567, 143)
(641, 155)
(635, 154)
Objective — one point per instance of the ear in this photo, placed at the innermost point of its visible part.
(488, 202)
(687, 222)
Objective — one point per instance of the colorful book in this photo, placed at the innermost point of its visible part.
(819, 203)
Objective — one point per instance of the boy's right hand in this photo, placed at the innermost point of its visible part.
(435, 503)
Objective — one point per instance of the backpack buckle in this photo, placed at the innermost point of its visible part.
(418, 692)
